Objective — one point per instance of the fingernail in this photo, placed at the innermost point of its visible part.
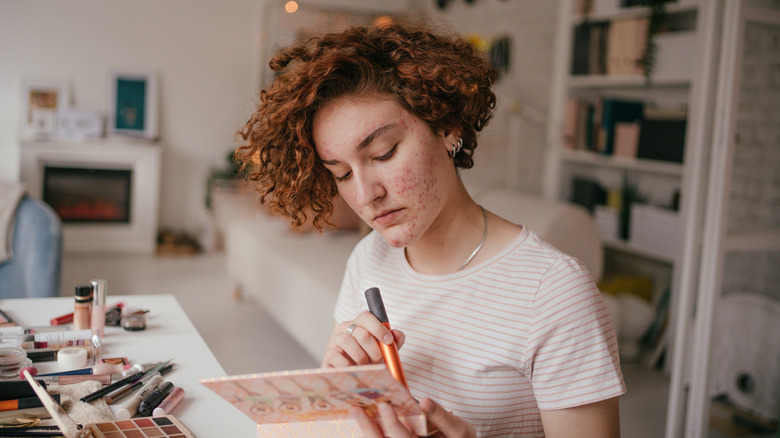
(388, 339)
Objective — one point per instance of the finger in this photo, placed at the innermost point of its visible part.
(369, 322)
(367, 426)
(400, 338)
(390, 423)
(368, 346)
(336, 358)
(360, 351)
(448, 424)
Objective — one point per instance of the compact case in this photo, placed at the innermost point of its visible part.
(315, 403)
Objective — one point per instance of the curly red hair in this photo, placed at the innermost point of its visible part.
(443, 80)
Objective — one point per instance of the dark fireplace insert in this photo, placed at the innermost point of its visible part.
(88, 195)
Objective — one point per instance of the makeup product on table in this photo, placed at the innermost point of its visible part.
(62, 319)
(82, 307)
(134, 322)
(12, 360)
(101, 368)
(167, 426)
(24, 403)
(113, 315)
(129, 409)
(16, 389)
(154, 399)
(71, 357)
(105, 379)
(100, 393)
(129, 380)
(389, 352)
(98, 321)
(120, 393)
(169, 404)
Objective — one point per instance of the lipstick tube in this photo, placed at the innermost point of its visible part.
(389, 352)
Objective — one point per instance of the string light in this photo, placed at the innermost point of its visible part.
(291, 6)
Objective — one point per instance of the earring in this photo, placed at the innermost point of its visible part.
(456, 148)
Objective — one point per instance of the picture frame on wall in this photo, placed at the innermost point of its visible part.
(134, 104)
(42, 102)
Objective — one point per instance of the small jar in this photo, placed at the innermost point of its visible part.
(134, 322)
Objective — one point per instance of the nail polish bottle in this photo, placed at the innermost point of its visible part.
(98, 320)
(81, 310)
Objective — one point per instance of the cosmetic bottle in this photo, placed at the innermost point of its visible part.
(81, 311)
(99, 290)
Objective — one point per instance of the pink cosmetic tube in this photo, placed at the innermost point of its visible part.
(169, 404)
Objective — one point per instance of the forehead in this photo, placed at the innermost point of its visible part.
(346, 121)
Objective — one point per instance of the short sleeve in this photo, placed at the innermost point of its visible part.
(572, 356)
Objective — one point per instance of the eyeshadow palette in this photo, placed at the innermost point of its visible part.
(315, 403)
(145, 427)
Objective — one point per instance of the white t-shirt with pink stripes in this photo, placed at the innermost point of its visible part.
(498, 341)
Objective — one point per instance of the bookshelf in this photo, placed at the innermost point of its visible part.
(683, 81)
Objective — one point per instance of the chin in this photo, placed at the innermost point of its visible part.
(397, 239)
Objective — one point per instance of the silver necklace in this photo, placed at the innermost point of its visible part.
(484, 237)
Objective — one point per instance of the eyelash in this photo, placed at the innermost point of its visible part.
(384, 157)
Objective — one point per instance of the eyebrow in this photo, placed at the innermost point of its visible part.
(367, 141)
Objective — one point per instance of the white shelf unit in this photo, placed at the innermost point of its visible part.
(657, 180)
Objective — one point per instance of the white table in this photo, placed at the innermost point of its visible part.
(169, 334)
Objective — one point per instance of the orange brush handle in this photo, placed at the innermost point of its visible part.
(392, 360)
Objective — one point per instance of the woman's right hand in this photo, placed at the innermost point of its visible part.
(360, 346)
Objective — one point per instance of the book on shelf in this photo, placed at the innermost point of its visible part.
(662, 135)
(578, 124)
(580, 49)
(626, 139)
(614, 111)
(626, 46)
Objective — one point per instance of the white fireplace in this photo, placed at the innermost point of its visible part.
(106, 192)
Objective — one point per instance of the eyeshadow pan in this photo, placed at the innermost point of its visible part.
(144, 422)
(171, 429)
(134, 434)
(162, 421)
(125, 425)
(106, 427)
(153, 432)
(113, 435)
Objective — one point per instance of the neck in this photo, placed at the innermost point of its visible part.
(450, 239)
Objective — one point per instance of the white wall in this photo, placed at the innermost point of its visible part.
(204, 51)
(511, 150)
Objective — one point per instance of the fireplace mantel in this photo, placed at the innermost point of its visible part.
(143, 159)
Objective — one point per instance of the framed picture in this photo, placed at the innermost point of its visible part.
(133, 107)
(42, 101)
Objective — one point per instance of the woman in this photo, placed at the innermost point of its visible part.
(509, 335)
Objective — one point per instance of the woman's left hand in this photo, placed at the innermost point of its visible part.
(390, 425)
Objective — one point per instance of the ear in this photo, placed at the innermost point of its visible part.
(449, 139)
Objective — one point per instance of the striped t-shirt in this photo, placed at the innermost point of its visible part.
(497, 341)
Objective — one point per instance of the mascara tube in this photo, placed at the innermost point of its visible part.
(154, 399)
(389, 352)
(131, 407)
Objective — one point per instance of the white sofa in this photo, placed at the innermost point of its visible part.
(296, 277)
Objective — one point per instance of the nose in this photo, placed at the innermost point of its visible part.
(369, 187)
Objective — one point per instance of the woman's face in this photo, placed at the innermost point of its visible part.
(390, 167)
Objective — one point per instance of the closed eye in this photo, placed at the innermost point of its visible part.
(343, 177)
(388, 155)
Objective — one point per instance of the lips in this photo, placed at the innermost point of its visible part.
(386, 217)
